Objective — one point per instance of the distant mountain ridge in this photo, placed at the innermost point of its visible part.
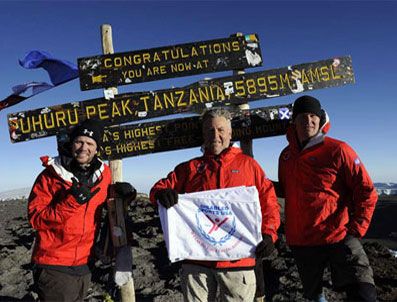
(15, 194)
(388, 188)
(383, 188)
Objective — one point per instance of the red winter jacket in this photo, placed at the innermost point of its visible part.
(65, 229)
(328, 192)
(231, 168)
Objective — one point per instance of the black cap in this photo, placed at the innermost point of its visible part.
(90, 128)
(306, 104)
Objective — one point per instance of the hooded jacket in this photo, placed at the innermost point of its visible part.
(231, 168)
(328, 192)
(65, 229)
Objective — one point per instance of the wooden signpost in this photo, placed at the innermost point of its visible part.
(169, 62)
(116, 213)
(236, 89)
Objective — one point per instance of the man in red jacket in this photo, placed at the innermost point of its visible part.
(64, 208)
(329, 202)
(221, 166)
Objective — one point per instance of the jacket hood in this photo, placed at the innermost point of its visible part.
(325, 125)
(55, 163)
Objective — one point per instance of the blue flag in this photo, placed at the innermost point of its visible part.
(60, 71)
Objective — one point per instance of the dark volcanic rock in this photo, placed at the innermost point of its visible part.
(155, 278)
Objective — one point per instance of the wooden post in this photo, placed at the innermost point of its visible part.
(115, 205)
(245, 144)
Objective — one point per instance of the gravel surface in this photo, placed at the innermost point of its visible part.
(157, 280)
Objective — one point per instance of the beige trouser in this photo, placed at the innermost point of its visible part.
(200, 284)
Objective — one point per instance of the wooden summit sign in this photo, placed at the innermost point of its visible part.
(142, 105)
(236, 52)
(166, 135)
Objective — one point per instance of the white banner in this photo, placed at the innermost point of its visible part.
(222, 224)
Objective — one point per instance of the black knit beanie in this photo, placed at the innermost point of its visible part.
(306, 104)
(90, 128)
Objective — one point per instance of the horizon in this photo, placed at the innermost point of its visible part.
(290, 33)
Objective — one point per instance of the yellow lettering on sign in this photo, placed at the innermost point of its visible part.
(145, 98)
(262, 84)
(273, 82)
(102, 111)
(217, 48)
(131, 74)
(48, 125)
(180, 67)
(183, 54)
(194, 52)
(314, 75)
(305, 79)
(146, 58)
(236, 46)
(324, 73)
(242, 132)
(149, 72)
(157, 103)
(192, 97)
(203, 49)
(186, 126)
(137, 59)
(205, 63)
(169, 100)
(121, 148)
(285, 80)
(105, 138)
(125, 108)
(128, 134)
(251, 86)
(334, 75)
(240, 90)
(116, 135)
(60, 117)
(107, 63)
(22, 126)
(220, 96)
(156, 57)
(117, 62)
(90, 111)
(204, 94)
(165, 53)
(72, 121)
(163, 69)
(115, 110)
(198, 65)
(174, 54)
(180, 94)
(108, 150)
(135, 146)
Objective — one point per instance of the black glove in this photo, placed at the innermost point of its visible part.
(81, 192)
(167, 197)
(125, 190)
(265, 248)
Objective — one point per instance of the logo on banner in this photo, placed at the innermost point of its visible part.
(216, 224)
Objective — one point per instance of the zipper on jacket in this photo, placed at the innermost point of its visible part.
(82, 235)
(218, 177)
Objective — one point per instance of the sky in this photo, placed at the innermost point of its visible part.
(295, 32)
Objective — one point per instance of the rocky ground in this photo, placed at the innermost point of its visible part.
(157, 280)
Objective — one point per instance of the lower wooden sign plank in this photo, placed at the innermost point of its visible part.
(194, 97)
(168, 135)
